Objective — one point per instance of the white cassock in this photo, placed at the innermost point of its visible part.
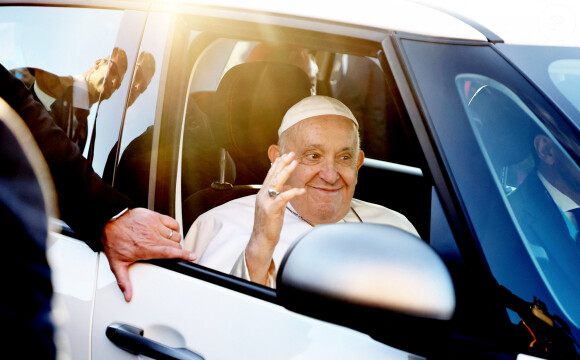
(219, 236)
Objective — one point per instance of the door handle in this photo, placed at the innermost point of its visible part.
(131, 339)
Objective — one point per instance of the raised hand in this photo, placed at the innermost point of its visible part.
(271, 202)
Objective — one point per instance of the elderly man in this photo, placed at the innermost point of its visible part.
(312, 180)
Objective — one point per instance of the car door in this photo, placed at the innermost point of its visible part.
(477, 118)
(50, 48)
(179, 305)
(176, 304)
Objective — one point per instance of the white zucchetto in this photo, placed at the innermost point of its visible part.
(312, 106)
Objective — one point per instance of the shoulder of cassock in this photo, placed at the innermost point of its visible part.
(378, 214)
(235, 215)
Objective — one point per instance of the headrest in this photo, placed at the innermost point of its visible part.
(504, 126)
(248, 108)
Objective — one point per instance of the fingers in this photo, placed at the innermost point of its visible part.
(170, 228)
(120, 268)
(165, 252)
(170, 234)
(281, 169)
(288, 195)
(140, 234)
(121, 271)
(276, 179)
(285, 173)
(167, 227)
(169, 222)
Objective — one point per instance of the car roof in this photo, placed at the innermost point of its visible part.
(392, 15)
(533, 22)
(528, 22)
(525, 22)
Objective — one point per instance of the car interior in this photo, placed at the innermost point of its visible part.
(236, 97)
(238, 93)
(239, 88)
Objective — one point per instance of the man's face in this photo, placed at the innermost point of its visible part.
(560, 170)
(326, 149)
(140, 83)
(106, 78)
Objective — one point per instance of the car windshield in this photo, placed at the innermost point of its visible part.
(565, 74)
(556, 70)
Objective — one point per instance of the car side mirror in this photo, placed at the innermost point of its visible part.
(377, 279)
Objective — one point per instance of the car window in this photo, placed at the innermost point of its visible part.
(70, 60)
(359, 83)
(76, 74)
(128, 166)
(555, 71)
(70, 71)
(238, 91)
(481, 114)
(538, 178)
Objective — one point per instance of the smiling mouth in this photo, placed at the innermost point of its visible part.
(326, 190)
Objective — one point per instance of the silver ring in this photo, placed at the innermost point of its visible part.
(170, 234)
(273, 193)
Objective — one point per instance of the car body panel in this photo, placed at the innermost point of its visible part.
(74, 276)
(468, 220)
(182, 311)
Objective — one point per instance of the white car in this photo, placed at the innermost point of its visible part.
(452, 116)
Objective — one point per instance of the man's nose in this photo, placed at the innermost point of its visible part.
(328, 172)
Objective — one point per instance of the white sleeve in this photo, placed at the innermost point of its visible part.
(202, 231)
(240, 269)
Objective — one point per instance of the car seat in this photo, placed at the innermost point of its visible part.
(503, 126)
(244, 115)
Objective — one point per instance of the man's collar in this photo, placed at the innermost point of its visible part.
(44, 98)
(80, 93)
(349, 217)
(563, 201)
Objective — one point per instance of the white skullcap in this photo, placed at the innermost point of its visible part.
(315, 105)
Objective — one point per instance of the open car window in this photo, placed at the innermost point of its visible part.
(238, 91)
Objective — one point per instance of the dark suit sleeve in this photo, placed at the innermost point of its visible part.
(25, 306)
(86, 202)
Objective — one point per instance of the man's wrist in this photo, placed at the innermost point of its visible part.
(119, 215)
(258, 259)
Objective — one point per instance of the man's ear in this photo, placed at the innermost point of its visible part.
(545, 149)
(97, 63)
(274, 153)
(360, 160)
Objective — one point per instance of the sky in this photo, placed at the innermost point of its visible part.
(547, 22)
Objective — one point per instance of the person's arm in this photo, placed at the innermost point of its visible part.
(240, 269)
(86, 202)
(269, 218)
